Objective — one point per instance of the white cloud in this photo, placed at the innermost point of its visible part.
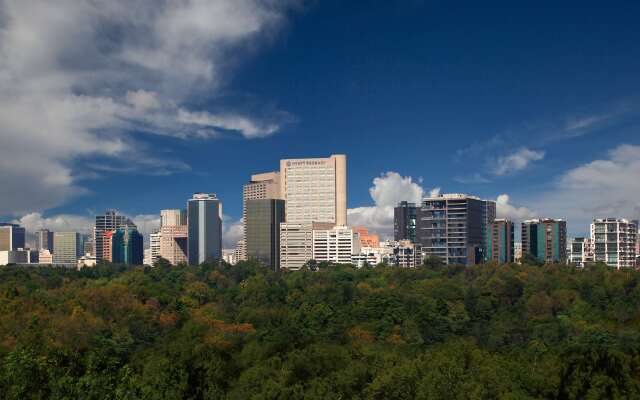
(58, 223)
(147, 223)
(602, 188)
(516, 161)
(504, 209)
(232, 231)
(387, 190)
(78, 76)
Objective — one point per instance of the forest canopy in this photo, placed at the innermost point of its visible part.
(218, 331)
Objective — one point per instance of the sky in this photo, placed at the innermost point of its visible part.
(135, 105)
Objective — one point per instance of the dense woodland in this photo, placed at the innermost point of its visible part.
(244, 332)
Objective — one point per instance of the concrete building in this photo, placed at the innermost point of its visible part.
(154, 245)
(240, 252)
(173, 217)
(517, 252)
(296, 245)
(87, 261)
(263, 219)
(68, 248)
(44, 240)
(261, 186)
(335, 245)
(580, 251)
(12, 237)
(367, 239)
(500, 242)
(371, 256)
(315, 189)
(405, 221)
(8, 257)
(545, 239)
(107, 222)
(229, 256)
(614, 242)
(173, 244)
(45, 257)
(452, 227)
(205, 228)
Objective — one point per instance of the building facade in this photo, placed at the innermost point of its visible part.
(580, 251)
(173, 217)
(204, 216)
(173, 244)
(12, 237)
(500, 242)
(452, 227)
(127, 246)
(614, 242)
(405, 221)
(68, 248)
(154, 245)
(545, 240)
(261, 186)
(367, 239)
(335, 245)
(315, 189)
(107, 222)
(296, 245)
(262, 223)
(44, 240)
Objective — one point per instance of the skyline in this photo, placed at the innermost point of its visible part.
(544, 119)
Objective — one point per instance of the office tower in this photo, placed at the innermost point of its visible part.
(205, 228)
(107, 222)
(500, 241)
(154, 244)
(614, 242)
(107, 246)
(580, 251)
(173, 217)
(295, 245)
(366, 239)
(12, 237)
(261, 186)
(126, 245)
(173, 244)
(545, 239)
(404, 221)
(452, 227)
(44, 240)
(315, 189)
(336, 245)
(263, 219)
(68, 248)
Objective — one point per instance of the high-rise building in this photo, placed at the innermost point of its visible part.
(154, 244)
(173, 217)
(12, 237)
(315, 189)
(452, 227)
(44, 240)
(240, 252)
(580, 251)
(336, 245)
(261, 186)
(366, 239)
(127, 246)
(205, 228)
(500, 241)
(68, 248)
(296, 245)
(263, 219)
(614, 242)
(173, 244)
(545, 239)
(404, 221)
(107, 222)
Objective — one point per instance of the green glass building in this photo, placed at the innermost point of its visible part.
(545, 240)
(500, 241)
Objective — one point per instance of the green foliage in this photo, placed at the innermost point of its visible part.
(217, 331)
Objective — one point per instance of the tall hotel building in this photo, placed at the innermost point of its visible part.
(545, 239)
(614, 242)
(204, 222)
(173, 236)
(260, 187)
(107, 222)
(500, 241)
(452, 227)
(315, 189)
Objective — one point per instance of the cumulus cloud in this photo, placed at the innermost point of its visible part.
(504, 209)
(387, 190)
(79, 76)
(58, 223)
(516, 161)
(232, 231)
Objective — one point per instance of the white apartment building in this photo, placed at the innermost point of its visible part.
(335, 245)
(296, 245)
(315, 189)
(154, 246)
(372, 256)
(614, 242)
(580, 251)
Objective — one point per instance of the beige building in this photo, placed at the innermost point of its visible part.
(173, 217)
(45, 257)
(173, 244)
(296, 245)
(67, 248)
(315, 189)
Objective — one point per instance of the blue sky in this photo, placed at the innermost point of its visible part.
(535, 100)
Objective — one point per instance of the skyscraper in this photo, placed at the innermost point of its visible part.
(545, 239)
(107, 222)
(173, 217)
(261, 186)
(44, 240)
(500, 241)
(452, 227)
(404, 222)
(12, 237)
(263, 219)
(68, 248)
(154, 244)
(127, 246)
(315, 189)
(205, 228)
(173, 236)
(614, 242)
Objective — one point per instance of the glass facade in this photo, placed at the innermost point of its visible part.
(263, 230)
